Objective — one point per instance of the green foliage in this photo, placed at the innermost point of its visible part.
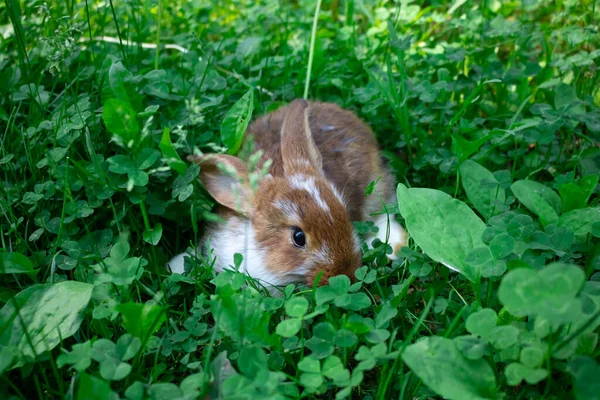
(488, 113)
(445, 228)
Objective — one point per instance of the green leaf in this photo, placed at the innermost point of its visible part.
(127, 347)
(471, 347)
(550, 292)
(92, 388)
(153, 236)
(576, 195)
(585, 372)
(482, 322)
(251, 360)
(345, 338)
(338, 286)
(463, 148)
(521, 227)
(44, 315)
(478, 183)
(170, 154)
(440, 365)
(334, 369)
(539, 199)
(420, 269)
(114, 370)
(141, 320)
(289, 327)
(165, 391)
(445, 228)
(516, 372)
(117, 75)
(296, 306)
(580, 221)
(493, 268)
(120, 119)
(596, 229)
(233, 127)
(16, 263)
(386, 313)
(357, 301)
(502, 245)
(309, 364)
(505, 336)
(532, 356)
(80, 357)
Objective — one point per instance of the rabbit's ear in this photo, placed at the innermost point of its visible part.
(298, 149)
(226, 179)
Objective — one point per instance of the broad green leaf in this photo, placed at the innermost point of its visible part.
(251, 360)
(170, 154)
(296, 306)
(80, 357)
(471, 347)
(117, 75)
(141, 320)
(92, 388)
(16, 263)
(532, 356)
(576, 195)
(482, 322)
(478, 183)
(50, 313)
(165, 391)
(440, 365)
(334, 369)
(233, 127)
(580, 221)
(127, 347)
(345, 338)
(386, 313)
(289, 327)
(502, 245)
(516, 372)
(114, 370)
(445, 228)
(420, 269)
(539, 199)
(7, 355)
(550, 292)
(504, 336)
(585, 372)
(309, 364)
(120, 119)
(153, 236)
(464, 148)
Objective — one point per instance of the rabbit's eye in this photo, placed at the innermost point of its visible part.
(298, 237)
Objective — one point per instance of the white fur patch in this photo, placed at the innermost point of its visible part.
(307, 183)
(237, 236)
(176, 264)
(338, 195)
(288, 208)
(397, 235)
(322, 255)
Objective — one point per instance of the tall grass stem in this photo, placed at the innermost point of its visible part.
(313, 36)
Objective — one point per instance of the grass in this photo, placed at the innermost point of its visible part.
(487, 112)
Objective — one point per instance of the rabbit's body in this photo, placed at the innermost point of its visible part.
(299, 221)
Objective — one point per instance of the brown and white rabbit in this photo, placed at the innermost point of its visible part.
(298, 222)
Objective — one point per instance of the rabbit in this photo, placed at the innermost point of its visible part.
(299, 221)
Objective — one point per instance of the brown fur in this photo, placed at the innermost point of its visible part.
(347, 146)
(316, 149)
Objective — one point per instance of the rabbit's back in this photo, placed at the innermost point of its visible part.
(348, 148)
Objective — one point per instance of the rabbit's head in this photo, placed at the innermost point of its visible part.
(299, 220)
